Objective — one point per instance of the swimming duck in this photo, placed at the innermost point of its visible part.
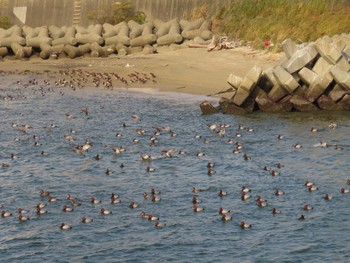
(152, 218)
(222, 193)
(95, 201)
(210, 172)
(197, 209)
(307, 207)
(226, 217)
(74, 203)
(22, 211)
(279, 192)
(302, 217)
(5, 213)
(65, 226)
(150, 169)
(224, 211)
(312, 188)
(245, 225)
(210, 165)
(146, 157)
(245, 196)
(53, 199)
(86, 220)
(67, 209)
(157, 224)
(308, 183)
(155, 192)
(313, 129)
(196, 190)
(327, 197)
(344, 191)
(297, 146)
(274, 173)
(200, 154)
(115, 200)
(280, 137)
(266, 168)
(40, 205)
(44, 193)
(23, 218)
(105, 211)
(41, 211)
(144, 215)
(155, 199)
(245, 189)
(276, 211)
(246, 157)
(195, 200)
(133, 205)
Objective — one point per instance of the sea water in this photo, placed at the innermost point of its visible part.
(124, 236)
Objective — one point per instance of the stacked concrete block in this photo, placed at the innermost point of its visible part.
(312, 77)
(145, 38)
(118, 34)
(36, 36)
(63, 36)
(91, 34)
(198, 28)
(168, 32)
(12, 35)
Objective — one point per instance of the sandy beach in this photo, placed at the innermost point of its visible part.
(186, 70)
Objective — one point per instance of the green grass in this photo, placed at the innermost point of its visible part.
(275, 20)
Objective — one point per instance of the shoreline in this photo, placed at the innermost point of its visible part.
(186, 70)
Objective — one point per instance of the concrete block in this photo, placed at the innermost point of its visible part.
(265, 104)
(232, 109)
(345, 99)
(318, 87)
(249, 104)
(285, 79)
(302, 104)
(285, 103)
(337, 93)
(343, 64)
(301, 58)
(307, 75)
(207, 108)
(341, 77)
(346, 52)
(234, 81)
(277, 93)
(3, 51)
(289, 47)
(247, 85)
(326, 103)
(322, 67)
(328, 51)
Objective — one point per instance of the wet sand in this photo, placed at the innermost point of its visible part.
(187, 70)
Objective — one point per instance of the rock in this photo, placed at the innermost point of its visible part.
(285, 103)
(301, 104)
(207, 108)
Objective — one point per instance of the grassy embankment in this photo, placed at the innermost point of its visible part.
(275, 20)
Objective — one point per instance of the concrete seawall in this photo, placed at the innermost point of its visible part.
(68, 12)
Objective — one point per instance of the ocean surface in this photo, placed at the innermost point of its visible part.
(44, 158)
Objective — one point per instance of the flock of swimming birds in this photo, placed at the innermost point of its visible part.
(71, 203)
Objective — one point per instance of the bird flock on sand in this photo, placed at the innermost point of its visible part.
(153, 136)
